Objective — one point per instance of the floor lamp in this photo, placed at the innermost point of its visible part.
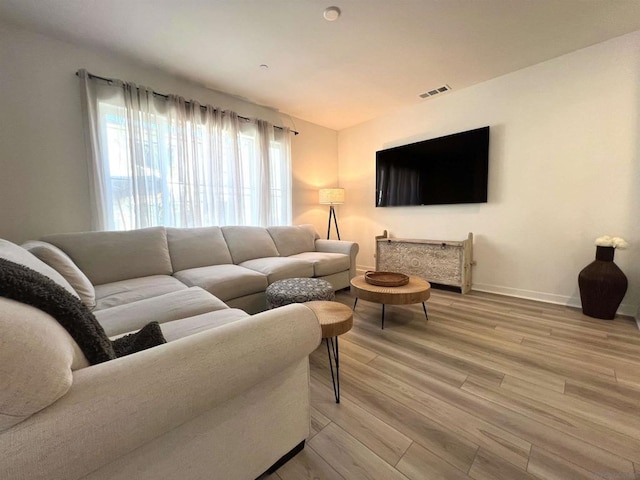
(331, 197)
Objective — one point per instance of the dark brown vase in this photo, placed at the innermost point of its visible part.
(602, 285)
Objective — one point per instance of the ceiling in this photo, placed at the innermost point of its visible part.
(377, 57)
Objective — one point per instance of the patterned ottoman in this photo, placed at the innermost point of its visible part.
(298, 290)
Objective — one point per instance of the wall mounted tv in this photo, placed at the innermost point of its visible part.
(445, 170)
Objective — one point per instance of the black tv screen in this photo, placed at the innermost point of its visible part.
(445, 170)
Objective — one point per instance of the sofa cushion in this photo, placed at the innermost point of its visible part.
(325, 263)
(199, 323)
(225, 281)
(135, 289)
(107, 257)
(247, 243)
(294, 239)
(61, 263)
(278, 268)
(165, 308)
(14, 253)
(37, 356)
(197, 247)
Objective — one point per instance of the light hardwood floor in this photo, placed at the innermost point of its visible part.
(489, 388)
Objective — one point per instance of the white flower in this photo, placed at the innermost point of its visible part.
(608, 241)
(620, 243)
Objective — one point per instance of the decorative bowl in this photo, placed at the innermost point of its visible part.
(386, 279)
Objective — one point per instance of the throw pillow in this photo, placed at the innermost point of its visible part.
(148, 336)
(15, 253)
(60, 261)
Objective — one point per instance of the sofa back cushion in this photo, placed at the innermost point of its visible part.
(61, 263)
(107, 257)
(37, 357)
(247, 243)
(291, 240)
(17, 254)
(197, 247)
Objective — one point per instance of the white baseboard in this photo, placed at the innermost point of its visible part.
(624, 309)
(528, 294)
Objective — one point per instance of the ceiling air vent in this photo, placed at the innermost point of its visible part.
(435, 91)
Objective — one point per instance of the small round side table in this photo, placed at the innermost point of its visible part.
(335, 319)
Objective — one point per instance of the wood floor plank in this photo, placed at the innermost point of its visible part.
(356, 351)
(617, 337)
(495, 332)
(588, 348)
(308, 465)
(612, 395)
(551, 323)
(318, 421)
(579, 351)
(420, 464)
(484, 325)
(350, 458)
(547, 466)
(382, 439)
(628, 376)
(606, 344)
(491, 467)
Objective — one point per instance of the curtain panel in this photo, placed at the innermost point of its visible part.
(162, 160)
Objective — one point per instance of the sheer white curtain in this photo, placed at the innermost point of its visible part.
(156, 160)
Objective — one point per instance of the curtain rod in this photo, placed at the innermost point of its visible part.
(111, 80)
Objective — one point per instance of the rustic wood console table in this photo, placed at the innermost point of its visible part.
(440, 262)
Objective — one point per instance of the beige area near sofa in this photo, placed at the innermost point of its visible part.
(226, 397)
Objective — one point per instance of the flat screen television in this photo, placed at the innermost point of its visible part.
(440, 171)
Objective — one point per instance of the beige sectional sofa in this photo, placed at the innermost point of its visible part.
(225, 398)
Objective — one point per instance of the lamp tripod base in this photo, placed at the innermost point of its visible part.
(332, 213)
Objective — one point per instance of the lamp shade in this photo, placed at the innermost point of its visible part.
(331, 196)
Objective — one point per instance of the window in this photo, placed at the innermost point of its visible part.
(164, 161)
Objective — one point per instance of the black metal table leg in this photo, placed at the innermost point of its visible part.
(355, 303)
(383, 316)
(334, 379)
(424, 307)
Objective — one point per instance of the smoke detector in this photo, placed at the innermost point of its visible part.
(435, 91)
(331, 14)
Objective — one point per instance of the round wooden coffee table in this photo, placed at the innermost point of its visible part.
(417, 290)
(335, 319)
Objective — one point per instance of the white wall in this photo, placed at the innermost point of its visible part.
(43, 172)
(564, 169)
(316, 166)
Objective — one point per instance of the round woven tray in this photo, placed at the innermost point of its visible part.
(386, 279)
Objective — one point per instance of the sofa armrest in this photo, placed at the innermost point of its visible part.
(340, 246)
(117, 406)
